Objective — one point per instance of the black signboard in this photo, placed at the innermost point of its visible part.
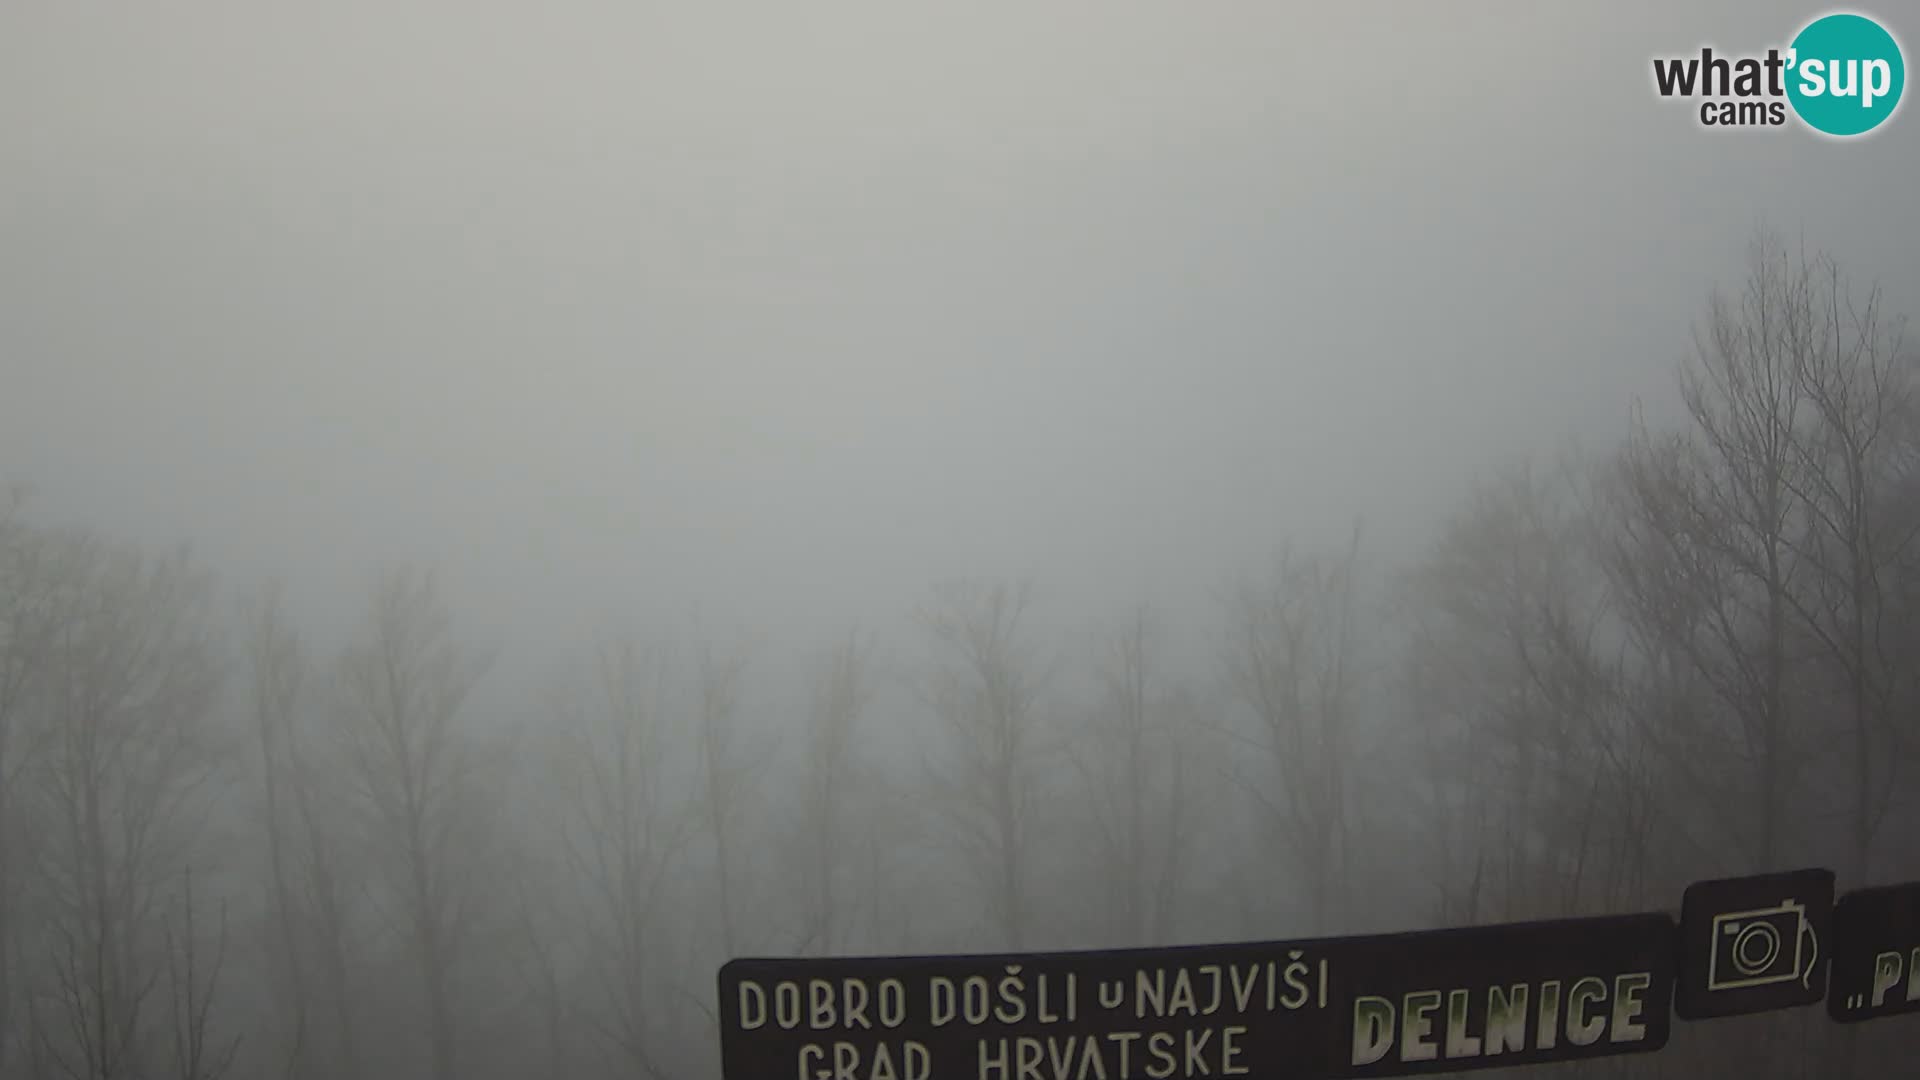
(1753, 944)
(1385, 1005)
(1876, 954)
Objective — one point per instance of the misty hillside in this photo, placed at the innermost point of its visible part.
(508, 510)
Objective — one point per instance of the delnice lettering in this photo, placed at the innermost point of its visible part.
(1429, 1025)
(1841, 75)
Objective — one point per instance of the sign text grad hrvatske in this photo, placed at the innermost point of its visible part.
(1382, 1005)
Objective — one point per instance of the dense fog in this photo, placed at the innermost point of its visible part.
(514, 505)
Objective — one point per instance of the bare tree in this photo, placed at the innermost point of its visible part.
(1858, 457)
(542, 974)
(984, 692)
(197, 1053)
(276, 668)
(26, 631)
(1292, 656)
(325, 900)
(309, 898)
(1135, 763)
(1860, 452)
(1717, 507)
(1758, 554)
(416, 774)
(620, 841)
(128, 693)
(727, 767)
(841, 693)
(1528, 752)
(1668, 596)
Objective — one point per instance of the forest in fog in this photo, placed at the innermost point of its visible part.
(232, 845)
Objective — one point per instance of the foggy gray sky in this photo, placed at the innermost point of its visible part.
(796, 308)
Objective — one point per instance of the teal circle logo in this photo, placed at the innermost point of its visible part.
(1846, 76)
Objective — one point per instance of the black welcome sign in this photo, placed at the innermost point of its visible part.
(1332, 1008)
(1383, 1005)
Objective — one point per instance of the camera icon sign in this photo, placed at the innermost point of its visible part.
(1754, 944)
(1762, 947)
